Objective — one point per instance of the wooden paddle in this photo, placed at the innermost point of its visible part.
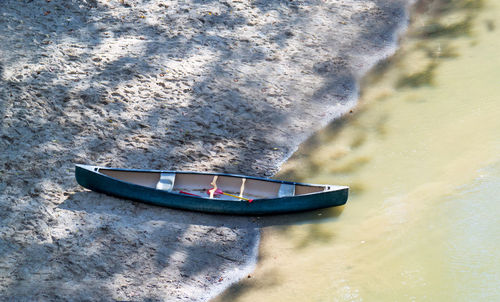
(219, 192)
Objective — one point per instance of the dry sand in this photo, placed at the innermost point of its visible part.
(229, 86)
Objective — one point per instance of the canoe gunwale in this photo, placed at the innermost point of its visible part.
(328, 188)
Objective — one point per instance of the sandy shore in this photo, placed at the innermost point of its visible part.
(197, 85)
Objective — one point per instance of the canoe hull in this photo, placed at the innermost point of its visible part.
(98, 182)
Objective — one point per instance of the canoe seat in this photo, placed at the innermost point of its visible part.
(166, 182)
(286, 190)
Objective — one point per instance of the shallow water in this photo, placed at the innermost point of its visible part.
(421, 154)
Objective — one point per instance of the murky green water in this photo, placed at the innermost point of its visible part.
(422, 156)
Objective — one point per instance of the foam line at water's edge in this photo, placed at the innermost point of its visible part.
(237, 274)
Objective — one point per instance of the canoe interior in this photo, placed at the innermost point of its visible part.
(199, 183)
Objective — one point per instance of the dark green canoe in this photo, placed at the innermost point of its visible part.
(231, 194)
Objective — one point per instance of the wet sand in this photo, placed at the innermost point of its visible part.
(202, 86)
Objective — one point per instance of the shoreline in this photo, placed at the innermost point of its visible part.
(226, 87)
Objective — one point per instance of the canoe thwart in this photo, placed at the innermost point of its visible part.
(214, 187)
(166, 182)
(242, 188)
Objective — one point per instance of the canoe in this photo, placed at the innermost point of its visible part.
(210, 192)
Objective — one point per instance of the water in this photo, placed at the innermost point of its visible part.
(421, 154)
